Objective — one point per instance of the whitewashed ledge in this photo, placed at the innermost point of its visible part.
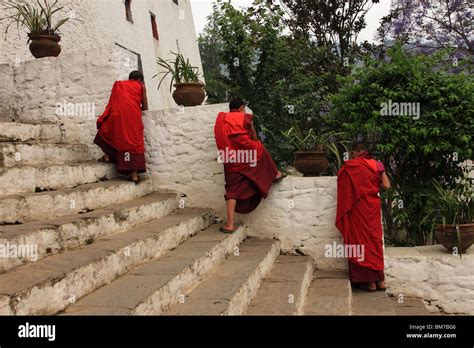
(301, 212)
(443, 280)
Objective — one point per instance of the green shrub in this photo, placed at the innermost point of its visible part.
(415, 149)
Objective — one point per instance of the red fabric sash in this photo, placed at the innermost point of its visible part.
(358, 210)
(232, 133)
(121, 123)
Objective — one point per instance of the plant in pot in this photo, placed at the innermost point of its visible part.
(185, 78)
(452, 213)
(311, 149)
(37, 18)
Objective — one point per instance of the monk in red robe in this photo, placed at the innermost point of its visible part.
(248, 167)
(359, 216)
(120, 128)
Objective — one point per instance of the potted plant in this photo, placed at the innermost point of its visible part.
(311, 149)
(43, 36)
(452, 213)
(185, 77)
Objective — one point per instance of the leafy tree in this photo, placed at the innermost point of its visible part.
(333, 24)
(284, 78)
(431, 24)
(415, 150)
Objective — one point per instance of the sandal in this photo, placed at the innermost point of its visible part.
(280, 179)
(226, 231)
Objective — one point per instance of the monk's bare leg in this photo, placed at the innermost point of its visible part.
(371, 286)
(231, 203)
(381, 285)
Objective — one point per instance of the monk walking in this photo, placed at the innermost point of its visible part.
(120, 128)
(248, 167)
(359, 216)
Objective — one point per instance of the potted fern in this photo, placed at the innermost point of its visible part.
(452, 212)
(185, 78)
(43, 36)
(312, 147)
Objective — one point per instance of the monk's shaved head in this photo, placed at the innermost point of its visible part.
(359, 147)
(136, 75)
(236, 103)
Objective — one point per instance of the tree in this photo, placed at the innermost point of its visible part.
(333, 24)
(283, 79)
(431, 24)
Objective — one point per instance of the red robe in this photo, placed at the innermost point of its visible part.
(246, 182)
(359, 217)
(120, 128)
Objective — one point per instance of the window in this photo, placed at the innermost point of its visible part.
(154, 27)
(176, 2)
(128, 10)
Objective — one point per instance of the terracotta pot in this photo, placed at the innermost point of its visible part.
(45, 46)
(189, 94)
(311, 163)
(447, 236)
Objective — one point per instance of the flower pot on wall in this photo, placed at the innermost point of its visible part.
(311, 163)
(447, 236)
(189, 94)
(45, 45)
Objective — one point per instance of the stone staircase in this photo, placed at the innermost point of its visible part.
(104, 246)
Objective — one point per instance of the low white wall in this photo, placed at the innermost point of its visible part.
(301, 212)
(443, 280)
(182, 156)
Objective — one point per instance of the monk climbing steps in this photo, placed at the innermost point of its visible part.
(248, 167)
(120, 128)
(359, 216)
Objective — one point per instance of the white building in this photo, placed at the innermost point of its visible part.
(138, 30)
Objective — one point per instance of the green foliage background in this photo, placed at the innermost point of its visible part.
(415, 151)
(291, 78)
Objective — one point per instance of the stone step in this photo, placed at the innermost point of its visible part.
(54, 133)
(23, 154)
(329, 294)
(161, 283)
(50, 285)
(28, 207)
(410, 306)
(371, 303)
(50, 237)
(52, 177)
(234, 284)
(284, 291)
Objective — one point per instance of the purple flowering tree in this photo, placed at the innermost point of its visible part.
(431, 24)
